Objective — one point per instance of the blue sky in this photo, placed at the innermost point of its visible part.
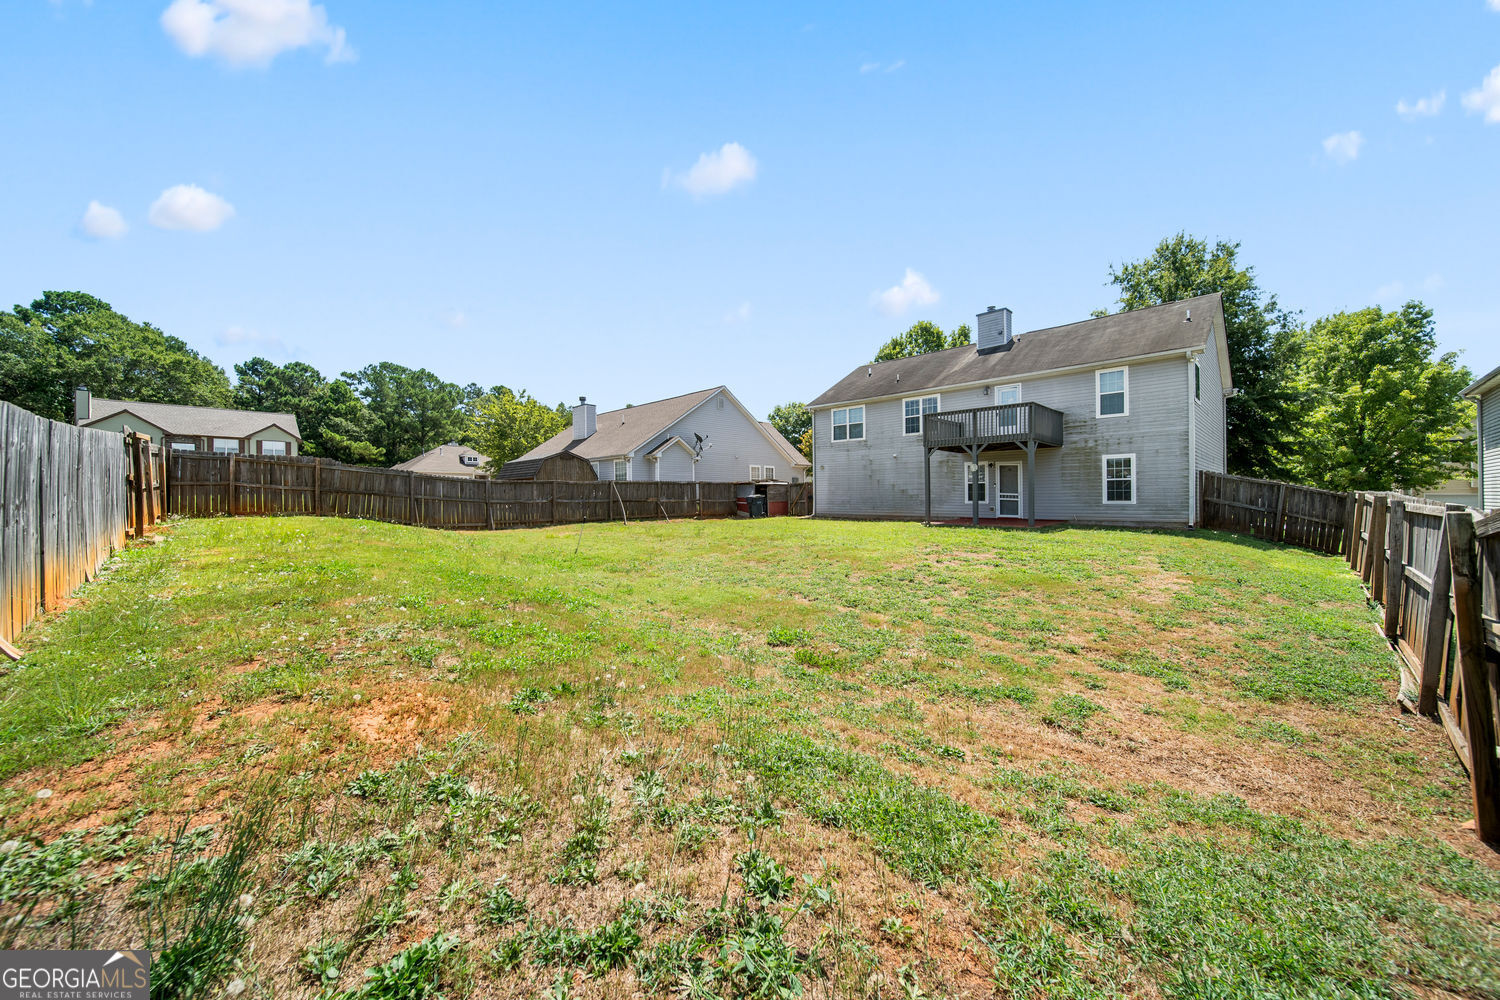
(634, 201)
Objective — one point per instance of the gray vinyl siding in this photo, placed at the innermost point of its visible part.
(881, 476)
(1489, 450)
(674, 465)
(735, 442)
(1209, 412)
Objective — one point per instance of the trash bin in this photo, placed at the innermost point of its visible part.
(757, 505)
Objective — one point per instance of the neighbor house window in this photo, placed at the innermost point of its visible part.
(1119, 479)
(913, 410)
(621, 470)
(273, 447)
(1114, 390)
(226, 445)
(469, 459)
(975, 490)
(770, 472)
(1007, 394)
(184, 446)
(754, 473)
(1197, 381)
(849, 424)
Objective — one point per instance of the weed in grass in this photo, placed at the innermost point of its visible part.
(416, 972)
(766, 879)
(502, 907)
(1071, 712)
(781, 636)
(323, 961)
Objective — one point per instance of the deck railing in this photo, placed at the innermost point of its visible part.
(1008, 423)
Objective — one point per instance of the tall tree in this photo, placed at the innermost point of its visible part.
(923, 337)
(508, 424)
(411, 410)
(793, 420)
(67, 339)
(1259, 333)
(1383, 407)
(333, 420)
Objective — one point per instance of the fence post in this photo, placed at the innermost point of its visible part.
(137, 467)
(489, 504)
(232, 490)
(411, 498)
(1395, 566)
(1435, 641)
(317, 486)
(1478, 711)
(1374, 561)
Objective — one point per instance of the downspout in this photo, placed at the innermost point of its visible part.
(1192, 513)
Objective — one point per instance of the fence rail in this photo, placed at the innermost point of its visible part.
(62, 511)
(201, 484)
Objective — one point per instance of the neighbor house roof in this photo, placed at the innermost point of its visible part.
(620, 432)
(1483, 384)
(1117, 337)
(194, 421)
(445, 460)
(779, 440)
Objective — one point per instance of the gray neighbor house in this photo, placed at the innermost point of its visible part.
(1485, 392)
(1106, 421)
(705, 436)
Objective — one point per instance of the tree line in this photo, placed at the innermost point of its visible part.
(1357, 400)
(381, 414)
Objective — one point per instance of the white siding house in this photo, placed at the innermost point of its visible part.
(1128, 409)
(1485, 392)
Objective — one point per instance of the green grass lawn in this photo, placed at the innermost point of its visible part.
(720, 759)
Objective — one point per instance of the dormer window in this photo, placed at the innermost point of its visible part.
(469, 459)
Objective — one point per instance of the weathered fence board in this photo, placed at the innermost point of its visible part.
(201, 484)
(1473, 716)
(62, 511)
(1276, 512)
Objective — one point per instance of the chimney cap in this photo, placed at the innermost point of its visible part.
(583, 399)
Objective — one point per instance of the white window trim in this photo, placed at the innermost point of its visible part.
(921, 417)
(863, 422)
(1104, 478)
(1197, 383)
(1020, 484)
(1098, 375)
(284, 452)
(755, 472)
(1020, 393)
(984, 483)
(769, 471)
(214, 443)
(614, 470)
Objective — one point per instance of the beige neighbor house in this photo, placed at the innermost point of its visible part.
(192, 428)
(451, 459)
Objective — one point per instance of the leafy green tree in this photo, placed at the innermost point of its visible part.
(67, 339)
(1260, 335)
(1383, 408)
(333, 420)
(793, 420)
(411, 410)
(508, 424)
(923, 337)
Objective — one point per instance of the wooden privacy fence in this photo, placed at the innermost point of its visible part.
(1277, 512)
(62, 511)
(1434, 572)
(146, 483)
(202, 485)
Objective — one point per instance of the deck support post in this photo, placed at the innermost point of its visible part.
(927, 480)
(1030, 484)
(974, 482)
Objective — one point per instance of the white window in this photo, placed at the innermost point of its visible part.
(1007, 394)
(1113, 397)
(1119, 479)
(913, 410)
(184, 446)
(976, 482)
(849, 424)
(1197, 381)
(754, 473)
(796, 479)
(273, 447)
(223, 446)
(622, 470)
(469, 459)
(770, 472)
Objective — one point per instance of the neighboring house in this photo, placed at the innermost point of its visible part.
(1485, 392)
(192, 428)
(560, 468)
(706, 436)
(1105, 421)
(449, 459)
(1464, 491)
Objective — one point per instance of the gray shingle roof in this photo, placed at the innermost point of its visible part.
(1482, 384)
(1117, 337)
(445, 460)
(619, 432)
(195, 421)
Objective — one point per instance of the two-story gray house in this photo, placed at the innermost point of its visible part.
(1107, 421)
(1485, 392)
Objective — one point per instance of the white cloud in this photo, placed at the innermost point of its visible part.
(188, 206)
(871, 67)
(715, 173)
(912, 291)
(266, 343)
(101, 222)
(457, 319)
(1389, 292)
(739, 314)
(1343, 147)
(1494, 4)
(1422, 107)
(1433, 282)
(253, 32)
(1486, 100)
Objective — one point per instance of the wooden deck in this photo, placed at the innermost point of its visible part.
(1009, 424)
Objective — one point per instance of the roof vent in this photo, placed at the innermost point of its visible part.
(994, 331)
(1189, 317)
